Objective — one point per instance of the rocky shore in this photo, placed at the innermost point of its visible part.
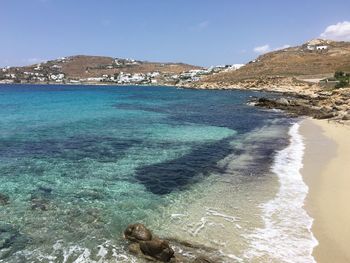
(297, 97)
(334, 105)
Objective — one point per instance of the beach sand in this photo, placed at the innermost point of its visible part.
(326, 171)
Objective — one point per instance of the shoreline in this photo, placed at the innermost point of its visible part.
(285, 218)
(177, 86)
(325, 171)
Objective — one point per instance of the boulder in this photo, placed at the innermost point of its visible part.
(158, 249)
(4, 199)
(283, 101)
(137, 233)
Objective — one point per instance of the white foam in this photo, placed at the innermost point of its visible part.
(200, 226)
(79, 254)
(286, 236)
(228, 218)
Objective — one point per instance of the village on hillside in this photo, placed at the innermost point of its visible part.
(52, 72)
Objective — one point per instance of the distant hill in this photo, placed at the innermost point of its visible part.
(95, 66)
(315, 58)
(95, 70)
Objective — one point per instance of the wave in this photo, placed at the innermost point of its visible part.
(286, 235)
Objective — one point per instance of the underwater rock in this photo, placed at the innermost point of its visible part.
(40, 198)
(158, 249)
(45, 190)
(11, 240)
(4, 199)
(137, 233)
(39, 203)
(89, 194)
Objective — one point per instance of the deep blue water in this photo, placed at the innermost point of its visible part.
(88, 160)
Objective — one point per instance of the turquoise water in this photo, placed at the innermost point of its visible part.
(80, 163)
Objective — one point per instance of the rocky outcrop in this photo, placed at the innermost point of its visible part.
(333, 105)
(145, 245)
(263, 83)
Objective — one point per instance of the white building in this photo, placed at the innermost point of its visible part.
(38, 67)
(234, 67)
(321, 47)
(153, 74)
(317, 47)
(56, 67)
(58, 77)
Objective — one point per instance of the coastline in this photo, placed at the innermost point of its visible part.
(284, 216)
(325, 171)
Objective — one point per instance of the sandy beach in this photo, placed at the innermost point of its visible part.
(326, 171)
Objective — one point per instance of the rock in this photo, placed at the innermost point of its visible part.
(137, 233)
(283, 101)
(346, 117)
(158, 249)
(154, 250)
(4, 199)
(11, 241)
(134, 248)
(202, 259)
(39, 203)
(324, 115)
(44, 189)
(89, 194)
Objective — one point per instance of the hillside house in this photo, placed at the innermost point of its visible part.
(320, 48)
(317, 47)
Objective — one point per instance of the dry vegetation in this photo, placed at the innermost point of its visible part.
(96, 66)
(292, 62)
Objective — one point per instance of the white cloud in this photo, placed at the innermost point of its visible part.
(267, 48)
(339, 31)
(262, 49)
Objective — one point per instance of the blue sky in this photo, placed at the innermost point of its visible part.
(201, 32)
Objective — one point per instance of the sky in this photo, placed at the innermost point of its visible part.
(199, 32)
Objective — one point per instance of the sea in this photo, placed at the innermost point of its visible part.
(201, 168)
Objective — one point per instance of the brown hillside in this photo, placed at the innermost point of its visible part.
(95, 66)
(293, 62)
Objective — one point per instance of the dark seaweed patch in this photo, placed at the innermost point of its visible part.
(103, 149)
(163, 178)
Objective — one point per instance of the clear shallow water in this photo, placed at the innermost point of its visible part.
(81, 163)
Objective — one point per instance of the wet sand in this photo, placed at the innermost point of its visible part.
(326, 171)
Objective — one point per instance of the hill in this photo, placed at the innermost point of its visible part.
(93, 69)
(315, 59)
